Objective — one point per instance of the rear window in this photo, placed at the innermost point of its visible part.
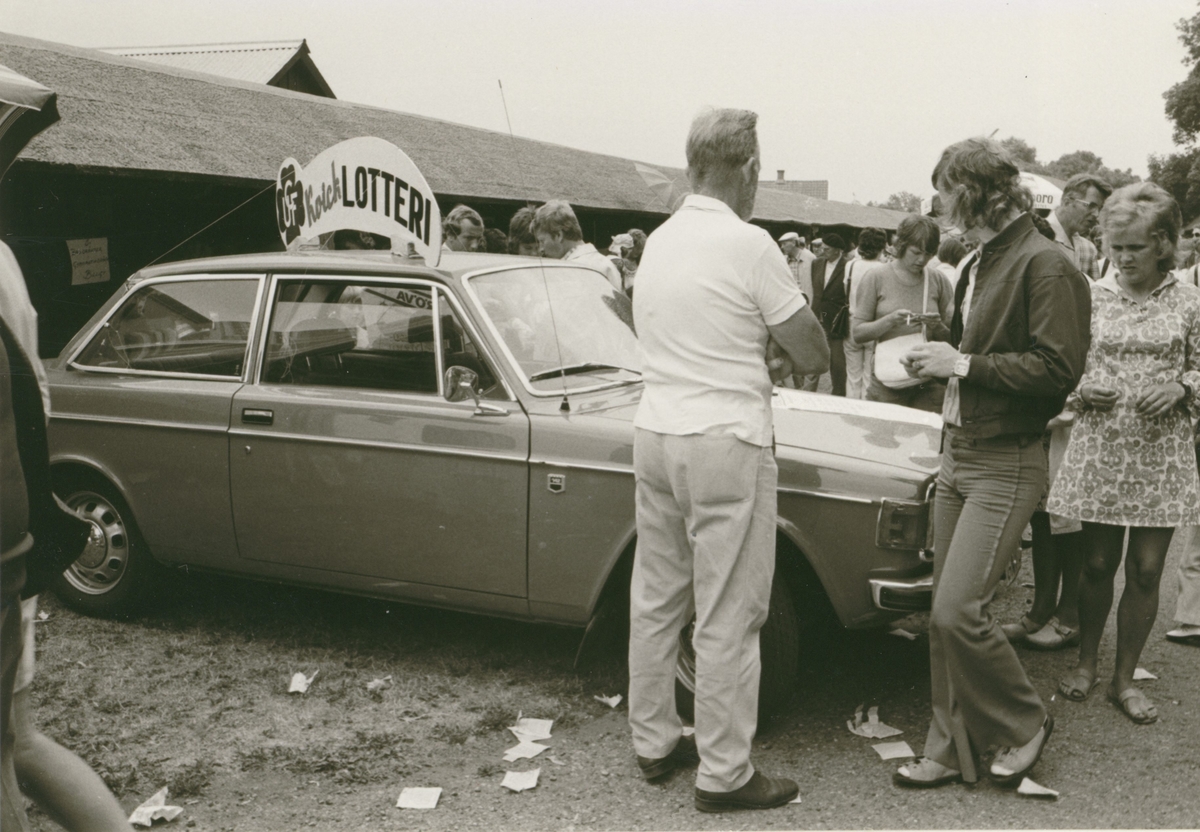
(193, 326)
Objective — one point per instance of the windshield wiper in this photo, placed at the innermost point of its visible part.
(573, 369)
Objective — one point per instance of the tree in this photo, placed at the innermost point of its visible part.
(1024, 155)
(1179, 173)
(902, 201)
(1067, 165)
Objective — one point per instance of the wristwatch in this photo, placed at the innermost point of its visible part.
(962, 366)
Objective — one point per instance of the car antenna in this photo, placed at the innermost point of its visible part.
(565, 406)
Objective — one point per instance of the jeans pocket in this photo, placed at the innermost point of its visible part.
(723, 469)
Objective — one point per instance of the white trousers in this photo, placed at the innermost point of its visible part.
(706, 545)
(858, 367)
(1187, 605)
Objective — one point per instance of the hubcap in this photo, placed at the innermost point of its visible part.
(100, 568)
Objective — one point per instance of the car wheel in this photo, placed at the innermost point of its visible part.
(113, 574)
(779, 649)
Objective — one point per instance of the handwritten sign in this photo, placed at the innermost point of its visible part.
(89, 261)
(364, 184)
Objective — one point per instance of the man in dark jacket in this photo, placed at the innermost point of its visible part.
(1019, 339)
(832, 306)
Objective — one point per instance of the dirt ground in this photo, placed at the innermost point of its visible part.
(193, 695)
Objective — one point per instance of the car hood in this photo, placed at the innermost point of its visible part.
(885, 433)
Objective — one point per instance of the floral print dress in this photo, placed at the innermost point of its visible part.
(1120, 468)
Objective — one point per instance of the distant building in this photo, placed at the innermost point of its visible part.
(816, 188)
(286, 64)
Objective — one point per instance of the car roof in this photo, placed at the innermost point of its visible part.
(454, 263)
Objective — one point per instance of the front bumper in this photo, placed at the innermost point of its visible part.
(903, 595)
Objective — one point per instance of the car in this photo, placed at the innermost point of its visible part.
(457, 437)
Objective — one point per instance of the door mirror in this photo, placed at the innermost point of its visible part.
(461, 384)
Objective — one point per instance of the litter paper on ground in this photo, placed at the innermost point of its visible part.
(300, 682)
(1141, 674)
(528, 729)
(893, 750)
(155, 808)
(610, 701)
(378, 684)
(872, 728)
(419, 798)
(1032, 789)
(797, 800)
(902, 633)
(519, 781)
(689, 730)
(523, 751)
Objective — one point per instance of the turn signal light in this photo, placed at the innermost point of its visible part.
(903, 524)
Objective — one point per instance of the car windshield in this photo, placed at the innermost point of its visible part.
(564, 327)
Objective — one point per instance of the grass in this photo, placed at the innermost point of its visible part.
(196, 688)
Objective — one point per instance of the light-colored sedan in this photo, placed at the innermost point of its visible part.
(457, 437)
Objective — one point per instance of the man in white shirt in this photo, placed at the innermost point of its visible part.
(462, 230)
(712, 290)
(560, 237)
(1073, 220)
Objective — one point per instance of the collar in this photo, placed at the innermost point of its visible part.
(1109, 282)
(1060, 234)
(579, 250)
(1014, 231)
(707, 203)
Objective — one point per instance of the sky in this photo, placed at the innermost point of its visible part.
(864, 93)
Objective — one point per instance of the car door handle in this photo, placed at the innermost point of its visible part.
(254, 416)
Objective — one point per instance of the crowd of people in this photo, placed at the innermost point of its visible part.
(1069, 389)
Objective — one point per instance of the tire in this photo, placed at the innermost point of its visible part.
(115, 574)
(779, 648)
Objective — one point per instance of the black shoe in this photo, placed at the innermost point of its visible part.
(760, 792)
(683, 755)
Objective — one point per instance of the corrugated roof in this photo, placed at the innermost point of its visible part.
(256, 62)
(121, 113)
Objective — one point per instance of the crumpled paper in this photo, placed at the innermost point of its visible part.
(1141, 674)
(376, 684)
(610, 701)
(300, 682)
(528, 729)
(1032, 789)
(155, 808)
(872, 728)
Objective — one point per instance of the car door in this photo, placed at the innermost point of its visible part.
(146, 401)
(345, 456)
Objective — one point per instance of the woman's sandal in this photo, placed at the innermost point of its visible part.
(1021, 630)
(904, 776)
(1054, 636)
(1078, 685)
(1128, 701)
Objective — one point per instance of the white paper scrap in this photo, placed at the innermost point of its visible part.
(893, 750)
(610, 701)
(529, 729)
(796, 800)
(1032, 789)
(872, 728)
(418, 798)
(155, 808)
(300, 682)
(523, 751)
(519, 781)
(1141, 674)
(43, 615)
(557, 761)
(377, 684)
(902, 633)
(689, 730)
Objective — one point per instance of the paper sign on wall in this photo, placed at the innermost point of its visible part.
(89, 261)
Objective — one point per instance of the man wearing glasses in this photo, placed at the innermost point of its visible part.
(1073, 220)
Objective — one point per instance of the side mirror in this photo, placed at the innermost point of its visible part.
(460, 384)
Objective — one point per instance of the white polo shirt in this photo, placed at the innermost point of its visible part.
(708, 286)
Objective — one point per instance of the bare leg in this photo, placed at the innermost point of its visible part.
(1139, 602)
(1069, 550)
(62, 784)
(1102, 558)
(1045, 569)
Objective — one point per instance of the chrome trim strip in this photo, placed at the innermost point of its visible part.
(152, 281)
(515, 365)
(825, 495)
(367, 443)
(917, 586)
(146, 423)
(119, 371)
(581, 466)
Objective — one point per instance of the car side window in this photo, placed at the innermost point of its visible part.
(459, 349)
(192, 326)
(333, 333)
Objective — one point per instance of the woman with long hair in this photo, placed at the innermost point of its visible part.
(871, 243)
